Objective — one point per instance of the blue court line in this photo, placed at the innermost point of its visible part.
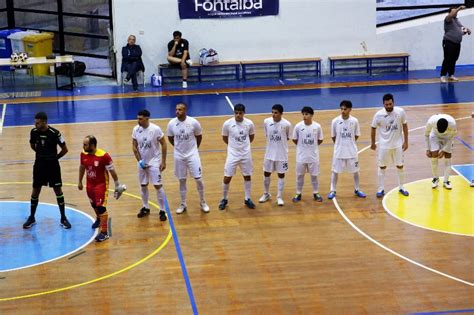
(467, 145)
(445, 312)
(181, 259)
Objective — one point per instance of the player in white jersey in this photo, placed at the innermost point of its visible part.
(307, 135)
(392, 141)
(439, 133)
(149, 148)
(185, 134)
(238, 132)
(345, 131)
(277, 133)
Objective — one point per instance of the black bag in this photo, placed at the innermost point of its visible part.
(65, 69)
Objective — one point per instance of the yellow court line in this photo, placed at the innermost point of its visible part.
(156, 251)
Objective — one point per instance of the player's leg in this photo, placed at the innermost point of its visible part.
(337, 167)
(143, 179)
(268, 168)
(352, 166)
(314, 172)
(104, 221)
(397, 155)
(281, 168)
(155, 178)
(195, 169)
(181, 172)
(229, 170)
(301, 169)
(434, 146)
(383, 155)
(447, 151)
(246, 167)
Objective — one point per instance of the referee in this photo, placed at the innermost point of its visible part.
(44, 141)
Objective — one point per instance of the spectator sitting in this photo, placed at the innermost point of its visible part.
(132, 61)
(178, 54)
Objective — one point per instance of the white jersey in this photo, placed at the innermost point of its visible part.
(432, 130)
(345, 131)
(390, 127)
(277, 134)
(184, 134)
(149, 146)
(307, 150)
(239, 137)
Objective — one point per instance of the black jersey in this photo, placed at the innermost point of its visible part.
(46, 143)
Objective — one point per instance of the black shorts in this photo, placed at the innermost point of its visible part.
(47, 173)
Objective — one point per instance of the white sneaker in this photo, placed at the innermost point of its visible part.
(434, 182)
(443, 79)
(280, 202)
(453, 78)
(189, 62)
(204, 207)
(447, 185)
(265, 197)
(185, 85)
(181, 209)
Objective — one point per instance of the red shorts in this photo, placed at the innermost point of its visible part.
(98, 195)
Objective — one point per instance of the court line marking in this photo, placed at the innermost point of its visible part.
(2, 118)
(414, 224)
(110, 275)
(469, 310)
(467, 145)
(229, 102)
(55, 258)
(468, 180)
(355, 227)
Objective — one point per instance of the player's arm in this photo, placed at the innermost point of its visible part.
(373, 146)
(198, 140)
(320, 141)
(251, 137)
(453, 13)
(82, 171)
(171, 140)
(63, 151)
(164, 150)
(405, 137)
(295, 136)
(135, 150)
(33, 146)
(225, 139)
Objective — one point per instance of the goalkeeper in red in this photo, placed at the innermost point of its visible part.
(97, 164)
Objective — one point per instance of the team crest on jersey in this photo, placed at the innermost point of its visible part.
(96, 163)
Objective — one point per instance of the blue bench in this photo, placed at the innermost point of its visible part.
(200, 72)
(368, 63)
(280, 67)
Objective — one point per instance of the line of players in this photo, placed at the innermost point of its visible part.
(185, 135)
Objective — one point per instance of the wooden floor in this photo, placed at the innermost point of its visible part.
(300, 258)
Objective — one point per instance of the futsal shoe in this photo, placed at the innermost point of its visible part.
(443, 79)
(143, 212)
(331, 195)
(249, 203)
(65, 223)
(380, 193)
(447, 185)
(404, 192)
(204, 206)
(29, 222)
(317, 197)
(453, 78)
(96, 224)
(189, 62)
(359, 194)
(280, 202)
(163, 216)
(223, 204)
(185, 85)
(296, 198)
(181, 209)
(101, 237)
(265, 197)
(434, 182)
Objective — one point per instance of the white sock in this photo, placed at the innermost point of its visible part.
(248, 188)
(315, 184)
(334, 177)
(266, 184)
(145, 196)
(182, 190)
(160, 194)
(401, 177)
(434, 167)
(281, 185)
(381, 176)
(299, 183)
(447, 169)
(200, 188)
(356, 181)
(225, 190)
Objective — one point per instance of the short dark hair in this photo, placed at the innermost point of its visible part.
(346, 103)
(387, 97)
(182, 103)
(239, 107)
(278, 107)
(177, 33)
(442, 125)
(308, 110)
(144, 113)
(41, 116)
(92, 140)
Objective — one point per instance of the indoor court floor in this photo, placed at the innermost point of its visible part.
(343, 256)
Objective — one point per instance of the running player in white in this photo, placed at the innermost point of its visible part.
(277, 131)
(238, 132)
(345, 131)
(439, 133)
(307, 136)
(147, 141)
(185, 134)
(393, 141)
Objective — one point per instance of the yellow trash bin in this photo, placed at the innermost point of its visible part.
(39, 45)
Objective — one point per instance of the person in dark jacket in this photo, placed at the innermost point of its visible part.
(132, 61)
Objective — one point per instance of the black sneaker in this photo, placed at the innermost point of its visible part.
(249, 203)
(163, 215)
(101, 237)
(96, 224)
(29, 222)
(65, 223)
(143, 212)
(223, 204)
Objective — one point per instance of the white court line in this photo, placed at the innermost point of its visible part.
(355, 227)
(230, 103)
(2, 119)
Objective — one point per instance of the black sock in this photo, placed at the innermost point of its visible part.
(60, 199)
(34, 205)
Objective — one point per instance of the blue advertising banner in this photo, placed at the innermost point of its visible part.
(208, 9)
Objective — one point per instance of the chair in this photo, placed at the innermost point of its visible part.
(140, 79)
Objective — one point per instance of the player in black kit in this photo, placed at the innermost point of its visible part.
(44, 141)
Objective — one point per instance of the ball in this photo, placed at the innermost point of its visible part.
(23, 56)
(14, 57)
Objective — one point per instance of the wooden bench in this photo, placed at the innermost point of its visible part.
(369, 63)
(200, 72)
(281, 67)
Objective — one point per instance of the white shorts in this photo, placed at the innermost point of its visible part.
(245, 164)
(270, 166)
(345, 165)
(150, 174)
(390, 156)
(311, 168)
(191, 165)
(444, 144)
